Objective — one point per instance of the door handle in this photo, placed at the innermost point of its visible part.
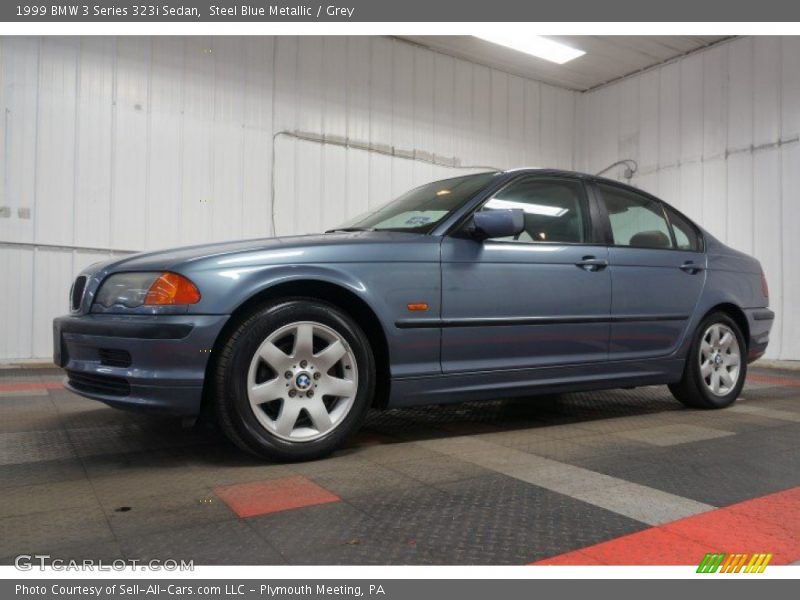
(590, 263)
(691, 267)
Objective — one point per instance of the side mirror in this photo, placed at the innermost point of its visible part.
(487, 224)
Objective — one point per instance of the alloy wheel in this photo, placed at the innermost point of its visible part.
(720, 359)
(302, 381)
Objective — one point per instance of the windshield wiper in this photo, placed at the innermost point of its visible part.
(348, 229)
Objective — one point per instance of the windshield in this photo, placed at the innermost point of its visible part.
(421, 209)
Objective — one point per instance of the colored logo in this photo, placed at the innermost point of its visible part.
(303, 381)
(718, 562)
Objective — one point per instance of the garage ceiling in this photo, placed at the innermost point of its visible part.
(607, 57)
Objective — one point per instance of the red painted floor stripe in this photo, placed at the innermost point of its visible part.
(773, 380)
(649, 547)
(570, 559)
(769, 524)
(782, 509)
(26, 387)
(273, 495)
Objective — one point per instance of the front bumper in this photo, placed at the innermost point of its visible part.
(759, 321)
(147, 363)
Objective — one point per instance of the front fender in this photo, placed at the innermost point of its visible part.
(226, 290)
(387, 289)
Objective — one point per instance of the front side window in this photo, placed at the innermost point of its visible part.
(636, 220)
(686, 235)
(553, 209)
(421, 209)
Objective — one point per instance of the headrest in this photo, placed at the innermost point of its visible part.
(650, 239)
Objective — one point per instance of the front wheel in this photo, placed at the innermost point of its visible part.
(293, 380)
(716, 367)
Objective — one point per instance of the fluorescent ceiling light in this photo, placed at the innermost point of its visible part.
(535, 45)
(528, 207)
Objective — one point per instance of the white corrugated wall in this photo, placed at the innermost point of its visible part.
(117, 144)
(130, 143)
(716, 135)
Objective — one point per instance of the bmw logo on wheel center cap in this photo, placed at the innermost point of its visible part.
(302, 381)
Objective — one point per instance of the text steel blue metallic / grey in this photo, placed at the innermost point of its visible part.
(492, 285)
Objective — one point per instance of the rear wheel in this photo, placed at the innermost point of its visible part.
(716, 367)
(293, 380)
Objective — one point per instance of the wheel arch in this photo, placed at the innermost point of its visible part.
(738, 316)
(315, 289)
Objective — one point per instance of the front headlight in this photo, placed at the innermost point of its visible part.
(132, 290)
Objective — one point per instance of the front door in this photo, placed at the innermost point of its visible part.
(657, 268)
(539, 299)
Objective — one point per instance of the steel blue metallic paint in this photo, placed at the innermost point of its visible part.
(504, 318)
(510, 280)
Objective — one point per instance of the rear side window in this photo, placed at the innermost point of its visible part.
(553, 209)
(636, 220)
(686, 235)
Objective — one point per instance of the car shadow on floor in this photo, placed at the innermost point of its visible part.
(410, 424)
(99, 431)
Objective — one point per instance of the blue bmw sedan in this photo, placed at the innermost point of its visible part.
(489, 285)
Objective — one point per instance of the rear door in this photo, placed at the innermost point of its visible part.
(540, 298)
(657, 270)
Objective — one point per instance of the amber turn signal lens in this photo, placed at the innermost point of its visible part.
(171, 288)
(417, 306)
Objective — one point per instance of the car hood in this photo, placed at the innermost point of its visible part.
(330, 247)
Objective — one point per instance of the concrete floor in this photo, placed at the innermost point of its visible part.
(618, 477)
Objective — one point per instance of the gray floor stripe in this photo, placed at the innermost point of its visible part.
(672, 435)
(639, 502)
(15, 393)
(770, 413)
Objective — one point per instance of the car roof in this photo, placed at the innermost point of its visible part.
(580, 175)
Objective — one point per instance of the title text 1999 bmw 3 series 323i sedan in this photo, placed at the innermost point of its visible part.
(489, 285)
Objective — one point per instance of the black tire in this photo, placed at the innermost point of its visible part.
(692, 390)
(232, 407)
